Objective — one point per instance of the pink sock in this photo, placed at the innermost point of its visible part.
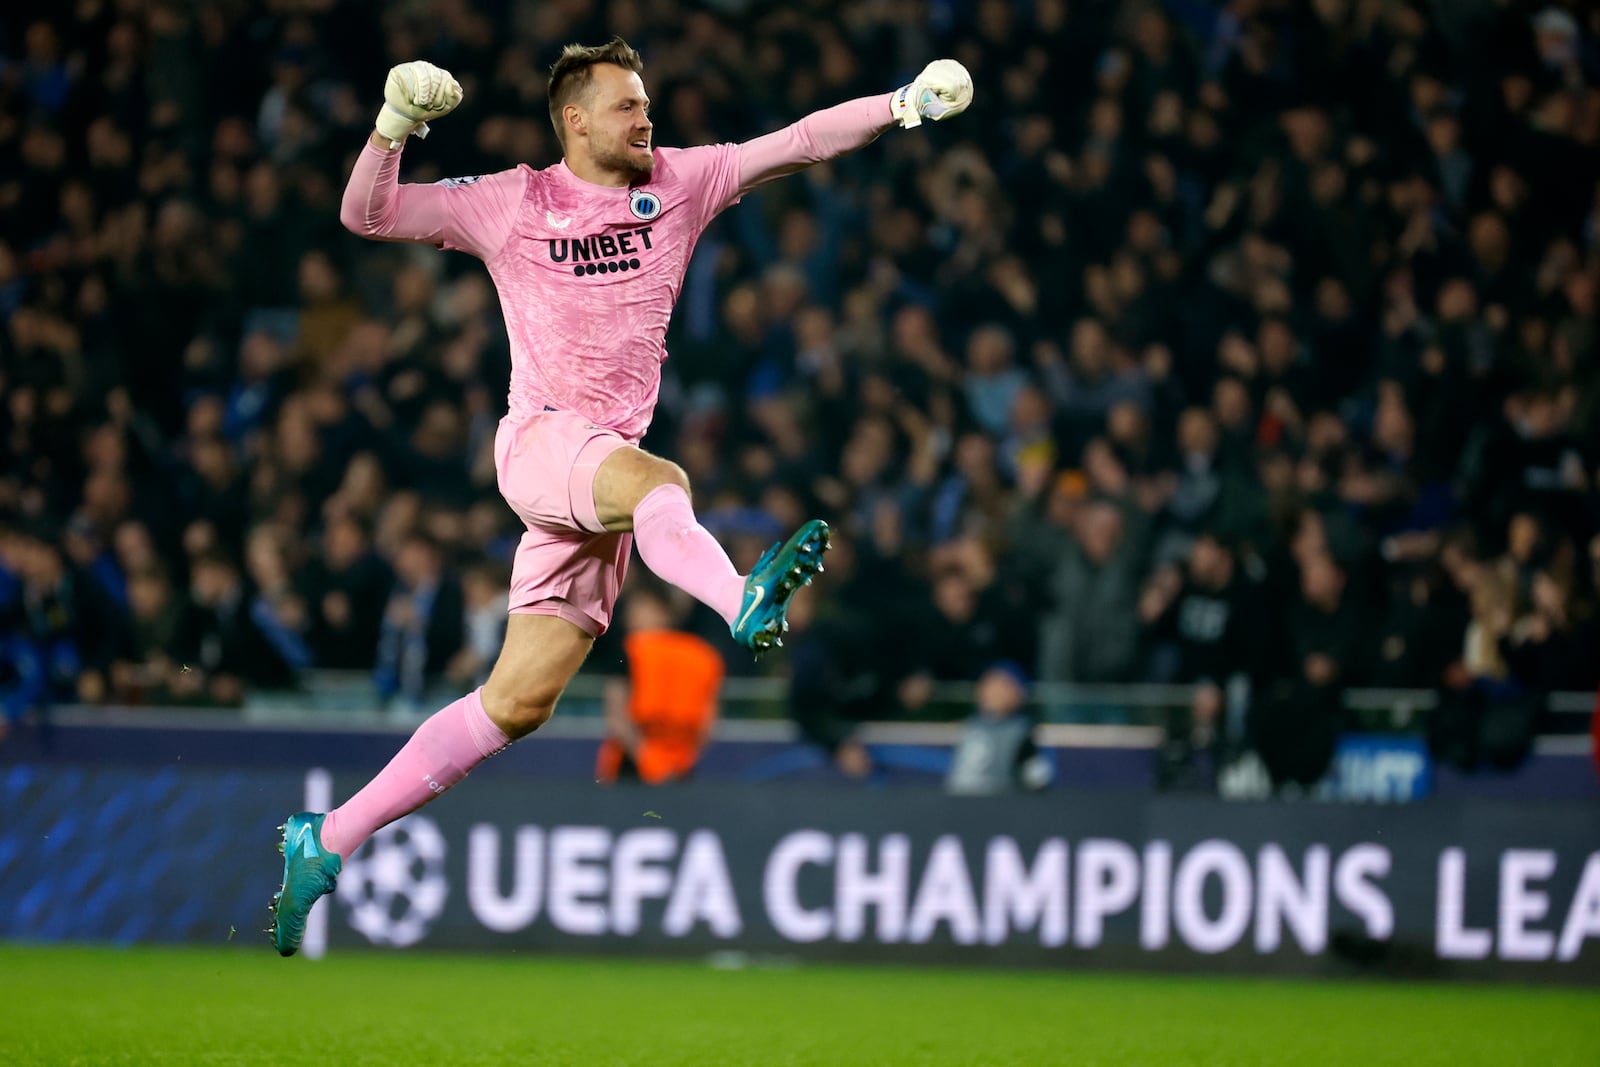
(439, 755)
(678, 549)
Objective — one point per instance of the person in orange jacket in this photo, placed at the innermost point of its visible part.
(658, 721)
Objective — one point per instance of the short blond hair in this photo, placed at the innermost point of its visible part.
(573, 74)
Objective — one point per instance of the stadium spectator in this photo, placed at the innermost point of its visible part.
(62, 629)
(1257, 268)
(1089, 635)
(234, 652)
(997, 752)
(483, 589)
(422, 623)
(347, 586)
(1210, 629)
(1295, 724)
(660, 718)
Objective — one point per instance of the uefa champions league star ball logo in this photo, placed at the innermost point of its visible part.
(394, 886)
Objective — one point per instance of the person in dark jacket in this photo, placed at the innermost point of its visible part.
(423, 625)
(59, 628)
(232, 653)
(1211, 617)
(346, 588)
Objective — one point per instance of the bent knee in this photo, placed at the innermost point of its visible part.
(672, 474)
(521, 713)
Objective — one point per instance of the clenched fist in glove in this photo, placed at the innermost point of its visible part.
(944, 88)
(415, 92)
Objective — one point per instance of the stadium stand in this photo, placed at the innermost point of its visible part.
(1244, 346)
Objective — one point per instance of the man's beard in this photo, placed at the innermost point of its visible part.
(624, 162)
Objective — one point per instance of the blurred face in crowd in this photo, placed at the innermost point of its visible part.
(1099, 531)
(1490, 240)
(1277, 346)
(610, 123)
(784, 505)
(1029, 410)
(106, 496)
(214, 582)
(1457, 301)
(1333, 300)
(999, 693)
(1197, 434)
(264, 557)
(1507, 189)
(1231, 401)
(975, 458)
(318, 280)
(482, 589)
(438, 432)
(867, 455)
(133, 546)
(1534, 415)
(213, 461)
(297, 438)
(1444, 133)
(1310, 536)
(988, 350)
(1105, 471)
(1210, 563)
(1522, 539)
(1089, 343)
(417, 563)
(647, 611)
(1125, 425)
(1325, 433)
(148, 594)
(1321, 581)
(953, 596)
(343, 544)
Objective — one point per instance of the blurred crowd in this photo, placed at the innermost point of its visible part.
(1248, 344)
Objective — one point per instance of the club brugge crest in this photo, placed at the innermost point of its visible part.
(644, 205)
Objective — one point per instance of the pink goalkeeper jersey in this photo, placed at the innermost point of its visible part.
(588, 274)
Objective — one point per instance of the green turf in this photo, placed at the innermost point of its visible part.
(102, 1006)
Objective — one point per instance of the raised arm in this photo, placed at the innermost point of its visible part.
(820, 136)
(942, 90)
(470, 214)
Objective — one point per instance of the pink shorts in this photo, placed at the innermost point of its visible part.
(567, 564)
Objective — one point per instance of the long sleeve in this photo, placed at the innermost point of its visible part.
(822, 135)
(468, 214)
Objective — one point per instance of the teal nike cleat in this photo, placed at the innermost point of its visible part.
(309, 871)
(783, 568)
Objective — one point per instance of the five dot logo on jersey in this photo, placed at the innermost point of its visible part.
(394, 887)
(644, 205)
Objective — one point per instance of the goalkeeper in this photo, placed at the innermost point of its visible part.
(588, 256)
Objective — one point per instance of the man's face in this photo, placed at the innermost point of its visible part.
(1207, 561)
(615, 112)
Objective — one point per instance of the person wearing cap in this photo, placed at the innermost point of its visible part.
(997, 752)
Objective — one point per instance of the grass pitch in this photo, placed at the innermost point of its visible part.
(63, 1006)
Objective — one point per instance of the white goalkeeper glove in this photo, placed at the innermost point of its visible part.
(415, 92)
(944, 88)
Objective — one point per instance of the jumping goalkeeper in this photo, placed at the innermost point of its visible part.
(588, 256)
